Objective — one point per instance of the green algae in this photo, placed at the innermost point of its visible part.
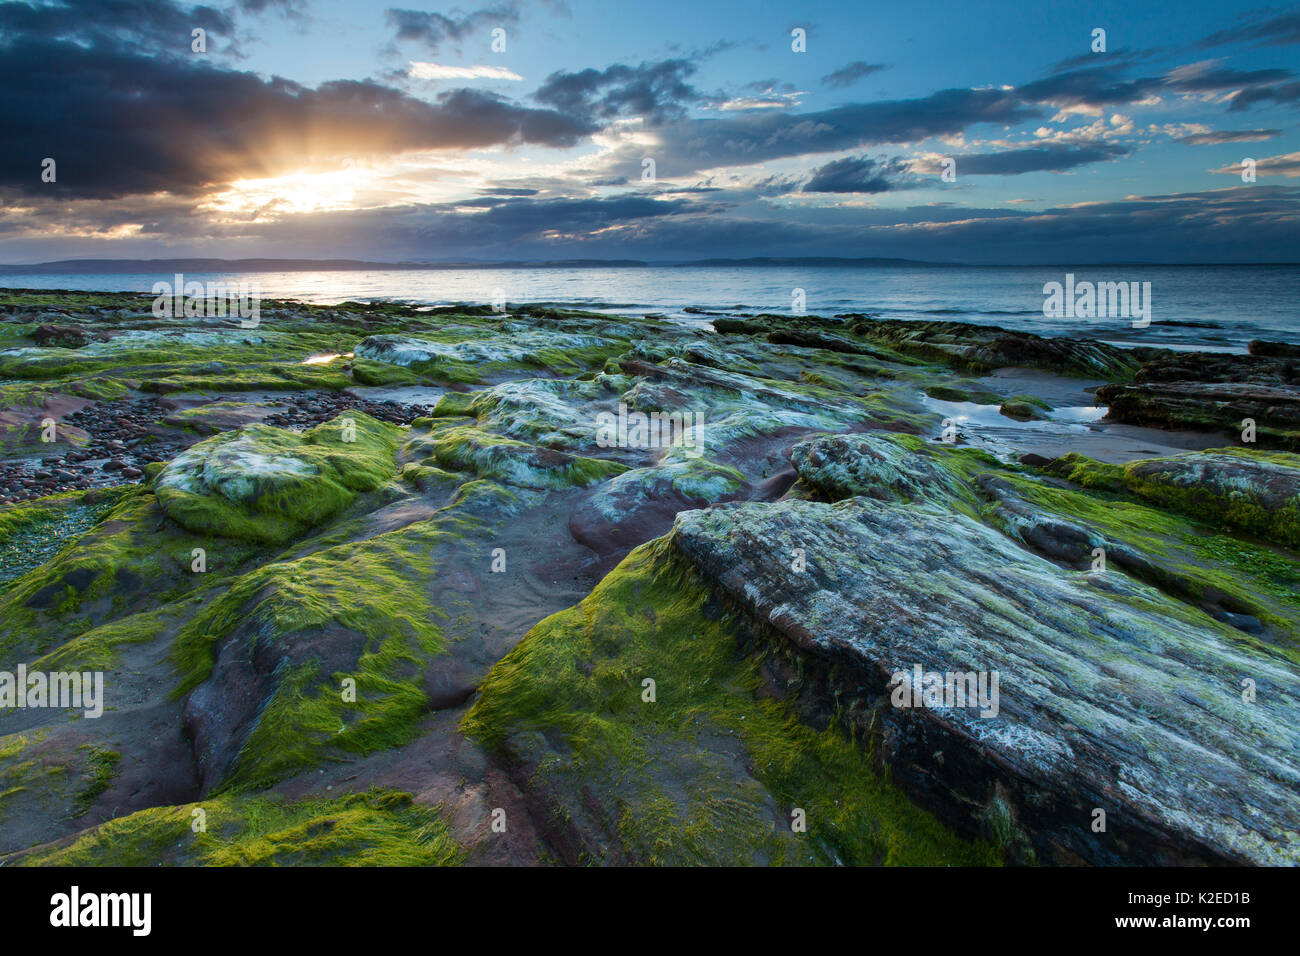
(132, 559)
(712, 771)
(1190, 485)
(33, 532)
(376, 828)
(368, 595)
(270, 485)
(102, 769)
(381, 373)
(517, 463)
(1181, 554)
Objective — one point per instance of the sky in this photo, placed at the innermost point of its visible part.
(983, 132)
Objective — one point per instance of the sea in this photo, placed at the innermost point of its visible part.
(1205, 307)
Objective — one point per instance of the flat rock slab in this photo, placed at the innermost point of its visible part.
(1112, 695)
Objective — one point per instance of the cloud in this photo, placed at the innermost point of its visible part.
(434, 29)
(1101, 86)
(1056, 157)
(768, 100)
(183, 125)
(436, 71)
(1242, 223)
(160, 24)
(850, 73)
(1281, 30)
(1287, 165)
(857, 174)
(747, 138)
(655, 91)
(1282, 93)
(1228, 136)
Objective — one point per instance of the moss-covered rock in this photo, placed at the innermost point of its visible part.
(1112, 694)
(711, 770)
(267, 484)
(1237, 488)
(517, 463)
(377, 828)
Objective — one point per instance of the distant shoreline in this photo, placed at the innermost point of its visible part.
(147, 266)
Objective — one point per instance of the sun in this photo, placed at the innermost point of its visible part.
(291, 194)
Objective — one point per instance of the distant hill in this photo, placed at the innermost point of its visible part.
(765, 261)
(166, 266)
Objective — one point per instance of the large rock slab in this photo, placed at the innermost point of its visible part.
(1112, 696)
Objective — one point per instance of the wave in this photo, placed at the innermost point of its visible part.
(979, 311)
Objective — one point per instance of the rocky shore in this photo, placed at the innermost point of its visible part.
(376, 583)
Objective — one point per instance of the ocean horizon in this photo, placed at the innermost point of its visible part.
(1210, 307)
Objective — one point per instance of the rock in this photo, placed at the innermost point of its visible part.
(517, 463)
(884, 467)
(1109, 695)
(1211, 391)
(1273, 349)
(1257, 494)
(61, 336)
(1022, 410)
(1209, 406)
(984, 348)
(265, 484)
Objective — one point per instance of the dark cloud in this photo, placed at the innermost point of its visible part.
(117, 122)
(1228, 136)
(1101, 86)
(655, 91)
(850, 73)
(530, 224)
(747, 138)
(857, 174)
(1053, 157)
(1243, 223)
(435, 29)
(1282, 93)
(161, 24)
(292, 7)
(1276, 31)
(1288, 165)
(1122, 57)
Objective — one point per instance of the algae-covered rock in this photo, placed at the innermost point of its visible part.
(465, 609)
(1110, 694)
(1021, 409)
(376, 828)
(1234, 487)
(517, 463)
(465, 360)
(1222, 407)
(643, 736)
(885, 467)
(267, 484)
